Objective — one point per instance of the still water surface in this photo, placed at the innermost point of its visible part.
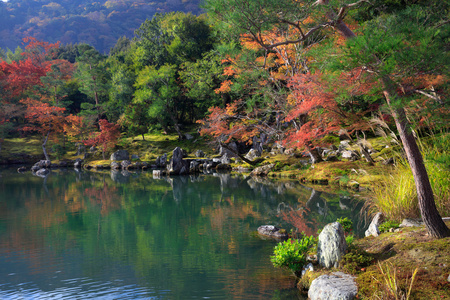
(86, 235)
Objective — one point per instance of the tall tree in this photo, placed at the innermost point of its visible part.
(158, 90)
(43, 118)
(92, 76)
(106, 138)
(311, 18)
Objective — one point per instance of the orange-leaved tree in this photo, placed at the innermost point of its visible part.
(316, 112)
(43, 118)
(105, 139)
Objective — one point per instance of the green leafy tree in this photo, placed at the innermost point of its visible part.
(158, 90)
(190, 36)
(92, 76)
(201, 79)
(149, 44)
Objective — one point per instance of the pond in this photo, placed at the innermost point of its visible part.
(113, 235)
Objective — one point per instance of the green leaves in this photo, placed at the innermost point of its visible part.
(292, 254)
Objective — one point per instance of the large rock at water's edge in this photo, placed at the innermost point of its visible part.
(125, 164)
(336, 286)
(253, 154)
(42, 164)
(272, 232)
(161, 161)
(331, 246)
(263, 170)
(373, 227)
(78, 163)
(120, 155)
(178, 166)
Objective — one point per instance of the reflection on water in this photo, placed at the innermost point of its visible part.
(121, 235)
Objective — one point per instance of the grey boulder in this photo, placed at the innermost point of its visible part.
(120, 155)
(336, 286)
(373, 227)
(331, 246)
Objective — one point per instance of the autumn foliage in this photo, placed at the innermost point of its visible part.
(43, 117)
(106, 138)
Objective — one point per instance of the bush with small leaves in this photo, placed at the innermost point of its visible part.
(292, 253)
(347, 225)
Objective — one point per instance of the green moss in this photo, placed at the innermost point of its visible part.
(403, 252)
(356, 260)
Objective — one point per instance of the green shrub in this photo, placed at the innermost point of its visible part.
(384, 227)
(292, 253)
(58, 150)
(347, 224)
(349, 239)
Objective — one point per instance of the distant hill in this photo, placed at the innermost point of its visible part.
(98, 24)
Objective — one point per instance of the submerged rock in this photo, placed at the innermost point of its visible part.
(272, 232)
(42, 172)
(337, 285)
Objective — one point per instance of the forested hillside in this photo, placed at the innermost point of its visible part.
(99, 23)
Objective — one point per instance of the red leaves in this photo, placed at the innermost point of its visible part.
(106, 138)
(43, 117)
(317, 109)
(230, 122)
(315, 104)
(19, 77)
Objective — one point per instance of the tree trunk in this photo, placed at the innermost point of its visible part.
(97, 105)
(250, 162)
(366, 154)
(44, 144)
(430, 215)
(177, 128)
(314, 154)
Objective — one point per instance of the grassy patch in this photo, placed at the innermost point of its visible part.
(408, 249)
(396, 193)
(28, 145)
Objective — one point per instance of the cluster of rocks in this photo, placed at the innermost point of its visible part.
(345, 151)
(379, 218)
(177, 165)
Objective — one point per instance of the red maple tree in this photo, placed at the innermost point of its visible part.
(106, 138)
(43, 118)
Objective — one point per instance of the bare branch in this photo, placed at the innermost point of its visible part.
(302, 39)
(342, 10)
(434, 97)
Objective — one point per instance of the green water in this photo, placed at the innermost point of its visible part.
(86, 235)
